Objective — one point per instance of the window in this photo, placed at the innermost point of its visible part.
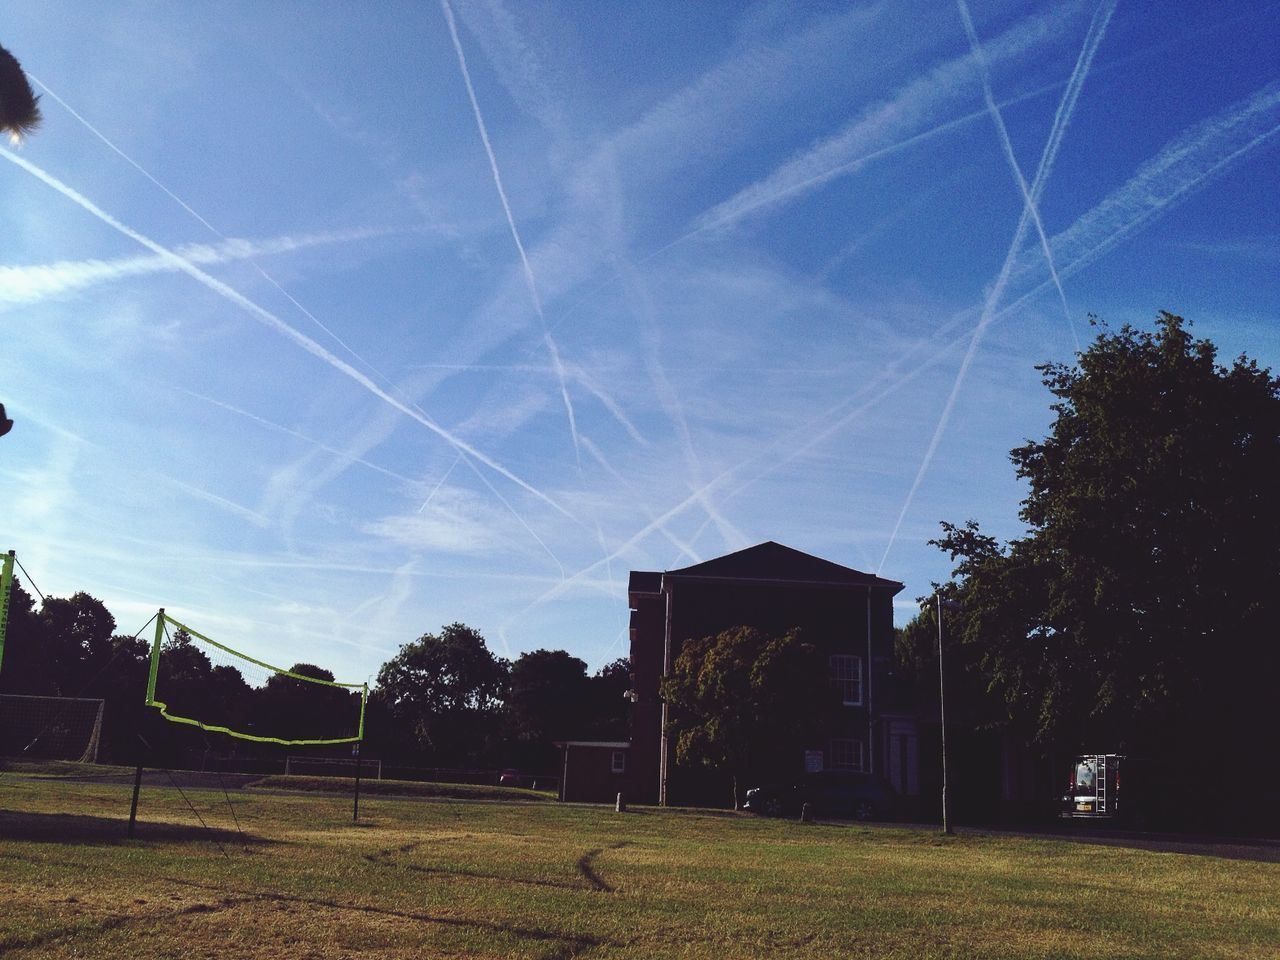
(846, 754)
(619, 761)
(846, 676)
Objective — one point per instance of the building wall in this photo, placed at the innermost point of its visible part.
(833, 618)
(588, 775)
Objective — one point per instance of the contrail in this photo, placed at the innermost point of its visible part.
(439, 483)
(993, 295)
(275, 323)
(998, 119)
(212, 229)
(515, 513)
(37, 282)
(270, 425)
(599, 457)
(1151, 191)
(1144, 188)
(552, 349)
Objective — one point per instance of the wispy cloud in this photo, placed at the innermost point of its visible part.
(1185, 164)
(275, 323)
(914, 111)
(37, 282)
(552, 349)
(1029, 198)
(278, 428)
(206, 224)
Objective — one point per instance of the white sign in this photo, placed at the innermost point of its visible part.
(813, 761)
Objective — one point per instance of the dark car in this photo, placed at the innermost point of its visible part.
(843, 794)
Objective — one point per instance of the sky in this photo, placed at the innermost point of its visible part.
(324, 325)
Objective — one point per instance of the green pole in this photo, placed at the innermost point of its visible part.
(6, 581)
(155, 658)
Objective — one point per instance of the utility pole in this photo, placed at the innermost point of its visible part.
(942, 708)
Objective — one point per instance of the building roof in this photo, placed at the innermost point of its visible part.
(643, 581)
(776, 562)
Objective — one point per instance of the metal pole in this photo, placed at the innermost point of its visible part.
(355, 807)
(133, 807)
(942, 716)
(6, 583)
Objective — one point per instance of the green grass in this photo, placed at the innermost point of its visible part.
(280, 875)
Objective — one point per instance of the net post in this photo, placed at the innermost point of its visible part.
(6, 582)
(355, 806)
(155, 658)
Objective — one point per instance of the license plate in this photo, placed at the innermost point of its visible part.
(1084, 807)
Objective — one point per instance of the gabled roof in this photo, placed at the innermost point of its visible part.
(775, 562)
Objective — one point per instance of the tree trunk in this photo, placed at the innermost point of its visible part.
(733, 779)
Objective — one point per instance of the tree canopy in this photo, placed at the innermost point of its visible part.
(1139, 609)
(741, 699)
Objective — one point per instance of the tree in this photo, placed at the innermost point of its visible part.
(609, 711)
(1140, 608)
(741, 700)
(19, 109)
(547, 695)
(446, 691)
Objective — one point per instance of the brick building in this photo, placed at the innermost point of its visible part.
(846, 613)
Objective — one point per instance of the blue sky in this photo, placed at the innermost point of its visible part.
(327, 324)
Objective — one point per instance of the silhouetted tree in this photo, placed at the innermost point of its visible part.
(446, 690)
(19, 109)
(1139, 610)
(741, 699)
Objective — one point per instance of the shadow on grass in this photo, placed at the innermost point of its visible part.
(384, 858)
(113, 922)
(586, 866)
(571, 944)
(81, 830)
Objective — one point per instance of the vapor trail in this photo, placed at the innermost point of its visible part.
(1184, 156)
(293, 433)
(599, 457)
(515, 513)
(439, 483)
(998, 119)
(275, 323)
(212, 229)
(552, 349)
(1176, 171)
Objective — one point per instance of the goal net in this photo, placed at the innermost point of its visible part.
(197, 681)
(50, 728)
(332, 767)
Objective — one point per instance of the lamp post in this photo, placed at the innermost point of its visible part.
(942, 708)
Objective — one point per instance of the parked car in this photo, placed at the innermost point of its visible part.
(509, 778)
(830, 793)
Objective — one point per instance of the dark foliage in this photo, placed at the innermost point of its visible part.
(1138, 613)
(19, 105)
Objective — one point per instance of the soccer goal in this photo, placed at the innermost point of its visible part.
(50, 728)
(332, 767)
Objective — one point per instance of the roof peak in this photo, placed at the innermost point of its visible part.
(776, 561)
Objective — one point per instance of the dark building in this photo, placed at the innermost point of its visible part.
(846, 613)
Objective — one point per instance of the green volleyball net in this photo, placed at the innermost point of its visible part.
(197, 681)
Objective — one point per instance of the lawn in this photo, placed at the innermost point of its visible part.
(285, 875)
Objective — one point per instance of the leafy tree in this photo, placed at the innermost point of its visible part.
(547, 695)
(19, 105)
(290, 708)
(446, 690)
(1139, 610)
(609, 712)
(741, 700)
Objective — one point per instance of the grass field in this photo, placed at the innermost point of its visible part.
(278, 875)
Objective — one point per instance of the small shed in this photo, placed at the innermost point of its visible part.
(593, 771)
